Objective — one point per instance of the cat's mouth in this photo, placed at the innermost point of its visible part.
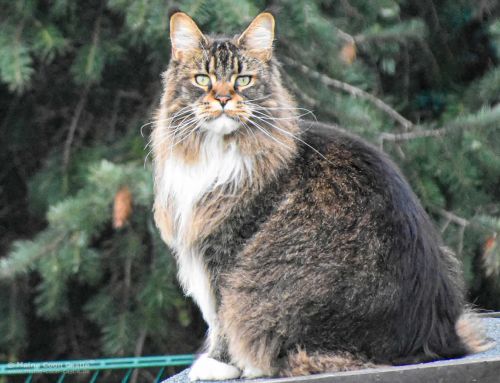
(222, 124)
(233, 114)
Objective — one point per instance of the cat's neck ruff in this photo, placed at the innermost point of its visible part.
(220, 165)
(182, 184)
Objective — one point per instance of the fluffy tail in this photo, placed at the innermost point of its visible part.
(468, 327)
(301, 363)
(472, 333)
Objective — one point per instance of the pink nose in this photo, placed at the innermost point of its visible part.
(223, 99)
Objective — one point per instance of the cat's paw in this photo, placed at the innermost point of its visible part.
(252, 372)
(206, 368)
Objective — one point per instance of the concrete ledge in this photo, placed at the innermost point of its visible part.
(483, 367)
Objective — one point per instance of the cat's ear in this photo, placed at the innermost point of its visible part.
(185, 35)
(258, 37)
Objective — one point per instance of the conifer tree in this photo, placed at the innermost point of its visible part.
(82, 262)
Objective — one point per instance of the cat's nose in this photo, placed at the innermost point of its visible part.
(223, 99)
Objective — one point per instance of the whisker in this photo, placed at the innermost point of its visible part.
(264, 108)
(182, 118)
(248, 129)
(279, 107)
(271, 117)
(295, 137)
(174, 129)
(197, 126)
(178, 114)
(263, 130)
(186, 117)
(179, 130)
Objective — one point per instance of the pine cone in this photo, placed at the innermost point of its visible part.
(348, 53)
(490, 258)
(122, 208)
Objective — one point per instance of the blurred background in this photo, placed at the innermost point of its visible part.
(83, 272)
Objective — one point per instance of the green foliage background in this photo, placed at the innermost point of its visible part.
(80, 78)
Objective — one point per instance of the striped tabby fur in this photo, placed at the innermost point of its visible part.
(303, 246)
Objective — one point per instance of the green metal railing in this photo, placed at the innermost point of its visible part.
(64, 368)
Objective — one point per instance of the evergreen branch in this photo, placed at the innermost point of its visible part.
(89, 62)
(484, 117)
(310, 101)
(18, 65)
(26, 253)
(411, 29)
(352, 90)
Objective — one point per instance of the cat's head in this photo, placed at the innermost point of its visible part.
(229, 86)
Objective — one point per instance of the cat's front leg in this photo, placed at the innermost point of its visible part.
(214, 365)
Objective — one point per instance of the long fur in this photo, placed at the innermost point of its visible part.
(303, 246)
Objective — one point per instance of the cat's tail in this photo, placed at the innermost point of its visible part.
(468, 327)
(472, 333)
(300, 363)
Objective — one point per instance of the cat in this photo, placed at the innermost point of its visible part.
(303, 246)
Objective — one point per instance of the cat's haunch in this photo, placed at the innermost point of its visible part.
(303, 246)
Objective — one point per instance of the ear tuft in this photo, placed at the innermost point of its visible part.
(258, 37)
(185, 35)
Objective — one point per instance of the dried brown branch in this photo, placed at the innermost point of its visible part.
(460, 246)
(73, 125)
(399, 137)
(346, 37)
(352, 90)
(486, 8)
(460, 221)
(300, 93)
(120, 95)
(452, 217)
(350, 10)
(139, 346)
(480, 119)
(16, 163)
(83, 99)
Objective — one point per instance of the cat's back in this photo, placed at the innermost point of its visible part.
(359, 200)
(345, 172)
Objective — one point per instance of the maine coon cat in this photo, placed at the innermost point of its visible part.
(303, 246)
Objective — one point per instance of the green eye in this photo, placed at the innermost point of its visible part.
(202, 79)
(243, 80)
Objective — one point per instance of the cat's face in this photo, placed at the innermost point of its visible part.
(221, 85)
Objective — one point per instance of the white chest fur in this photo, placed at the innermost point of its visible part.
(184, 184)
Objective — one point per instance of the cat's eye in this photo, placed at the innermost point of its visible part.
(202, 79)
(243, 80)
